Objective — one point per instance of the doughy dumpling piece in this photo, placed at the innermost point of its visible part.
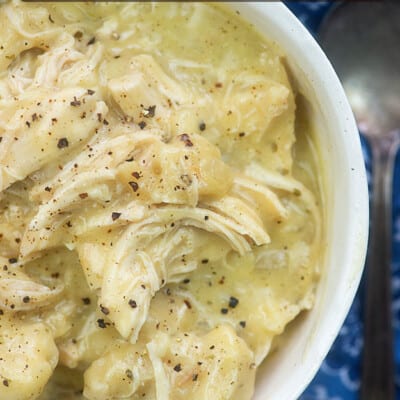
(46, 127)
(28, 358)
(93, 260)
(119, 373)
(251, 103)
(86, 343)
(216, 366)
(183, 171)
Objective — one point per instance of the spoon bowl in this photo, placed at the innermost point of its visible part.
(362, 42)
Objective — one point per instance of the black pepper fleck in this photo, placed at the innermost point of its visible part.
(186, 139)
(136, 174)
(142, 124)
(86, 300)
(102, 324)
(202, 126)
(75, 102)
(242, 324)
(224, 311)
(178, 368)
(26, 299)
(62, 143)
(129, 374)
(233, 302)
(297, 192)
(91, 41)
(104, 310)
(186, 179)
(149, 112)
(12, 260)
(132, 303)
(115, 215)
(134, 186)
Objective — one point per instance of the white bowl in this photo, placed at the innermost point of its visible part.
(286, 374)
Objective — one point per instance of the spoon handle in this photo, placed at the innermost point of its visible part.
(378, 365)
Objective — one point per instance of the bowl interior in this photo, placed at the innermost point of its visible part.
(345, 210)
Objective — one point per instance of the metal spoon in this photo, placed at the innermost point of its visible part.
(362, 41)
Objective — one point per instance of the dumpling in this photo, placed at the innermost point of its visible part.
(28, 358)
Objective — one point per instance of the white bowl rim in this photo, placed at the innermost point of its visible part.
(322, 74)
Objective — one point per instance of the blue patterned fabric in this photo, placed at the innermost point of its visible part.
(339, 375)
